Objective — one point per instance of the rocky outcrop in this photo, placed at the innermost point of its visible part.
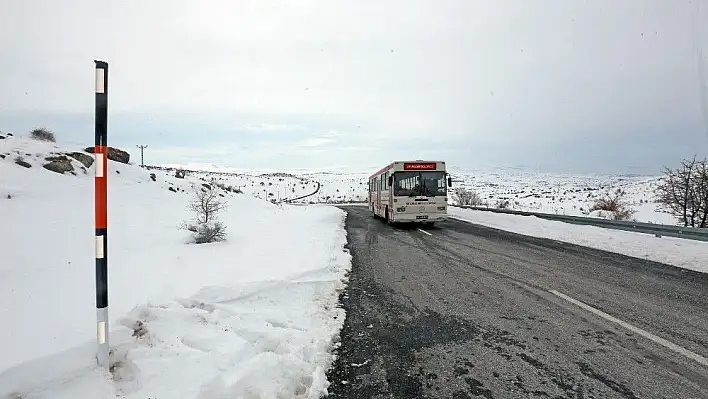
(59, 164)
(85, 159)
(114, 154)
(22, 162)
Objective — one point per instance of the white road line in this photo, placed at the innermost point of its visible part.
(423, 231)
(661, 341)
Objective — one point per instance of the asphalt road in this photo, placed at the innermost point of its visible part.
(466, 311)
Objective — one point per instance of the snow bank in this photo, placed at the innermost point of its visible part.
(256, 314)
(687, 254)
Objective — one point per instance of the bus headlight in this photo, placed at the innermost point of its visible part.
(401, 209)
(441, 208)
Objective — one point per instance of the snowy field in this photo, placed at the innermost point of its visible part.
(255, 315)
(563, 194)
(285, 186)
(568, 194)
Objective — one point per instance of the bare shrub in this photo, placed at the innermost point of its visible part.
(206, 205)
(615, 203)
(467, 197)
(503, 204)
(210, 232)
(43, 135)
(683, 192)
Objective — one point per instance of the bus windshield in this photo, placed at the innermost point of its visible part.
(429, 184)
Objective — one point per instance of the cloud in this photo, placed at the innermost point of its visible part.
(315, 142)
(270, 127)
(468, 80)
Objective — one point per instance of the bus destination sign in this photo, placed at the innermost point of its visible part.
(419, 166)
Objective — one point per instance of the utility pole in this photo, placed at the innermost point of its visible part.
(142, 157)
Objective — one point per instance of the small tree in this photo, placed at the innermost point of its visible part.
(701, 189)
(206, 205)
(43, 135)
(683, 192)
(615, 203)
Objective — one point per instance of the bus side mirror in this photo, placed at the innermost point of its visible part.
(449, 181)
(390, 180)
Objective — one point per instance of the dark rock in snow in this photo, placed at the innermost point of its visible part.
(60, 164)
(114, 154)
(22, 162)
(87, 160)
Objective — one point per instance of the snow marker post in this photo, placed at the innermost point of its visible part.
(101, 208)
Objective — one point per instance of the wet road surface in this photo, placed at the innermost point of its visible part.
(466, 311)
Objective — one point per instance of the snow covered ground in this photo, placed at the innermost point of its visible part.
(566, 194)
(288, 185)
(687, 254)
(255, 315)
(569, 194)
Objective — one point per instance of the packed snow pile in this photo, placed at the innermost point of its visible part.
(679, 252)
(254, 316)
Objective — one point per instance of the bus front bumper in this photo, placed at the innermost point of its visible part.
(418, 218)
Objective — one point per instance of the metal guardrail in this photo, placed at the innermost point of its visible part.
(659, 230)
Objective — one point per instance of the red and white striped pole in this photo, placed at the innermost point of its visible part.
(101, 185)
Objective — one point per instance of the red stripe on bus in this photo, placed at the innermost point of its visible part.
(382, 170)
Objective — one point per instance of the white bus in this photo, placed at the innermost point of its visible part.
(410, 192)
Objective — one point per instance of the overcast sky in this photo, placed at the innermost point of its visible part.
(565, 85)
